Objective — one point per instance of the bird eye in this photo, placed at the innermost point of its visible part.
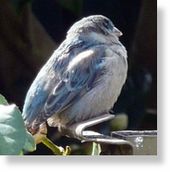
(107, 25)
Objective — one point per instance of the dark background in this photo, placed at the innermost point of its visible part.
(31, 30)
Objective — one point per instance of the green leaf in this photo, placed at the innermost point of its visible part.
(96, 149)
(29, 143)
(3, 100)
(13, 135)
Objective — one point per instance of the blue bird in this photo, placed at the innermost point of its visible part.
(82, 79)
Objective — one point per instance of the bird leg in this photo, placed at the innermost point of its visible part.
(40, 134)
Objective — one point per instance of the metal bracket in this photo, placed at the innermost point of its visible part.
(140, 142)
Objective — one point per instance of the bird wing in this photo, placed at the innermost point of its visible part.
(79, 76)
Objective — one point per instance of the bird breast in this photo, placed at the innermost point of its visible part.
(102, 97)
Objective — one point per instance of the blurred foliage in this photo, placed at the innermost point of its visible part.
(120, 122)
(96, 149)
(75, 6)
(134, 96)
(3, 101)
(24, 46)
(19, 4)
(14, 139)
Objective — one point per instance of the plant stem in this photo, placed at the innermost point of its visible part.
(55, 149)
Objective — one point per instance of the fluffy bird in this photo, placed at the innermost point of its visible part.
(81, 80)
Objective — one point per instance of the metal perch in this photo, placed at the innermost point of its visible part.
(141, 142)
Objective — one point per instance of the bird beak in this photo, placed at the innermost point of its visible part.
(117, 32)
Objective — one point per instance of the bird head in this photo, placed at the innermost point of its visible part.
(97, 27)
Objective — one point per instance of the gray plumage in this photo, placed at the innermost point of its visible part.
(83, 77)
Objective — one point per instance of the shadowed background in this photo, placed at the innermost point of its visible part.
(30, 30)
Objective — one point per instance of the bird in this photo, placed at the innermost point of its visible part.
(81, 80)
